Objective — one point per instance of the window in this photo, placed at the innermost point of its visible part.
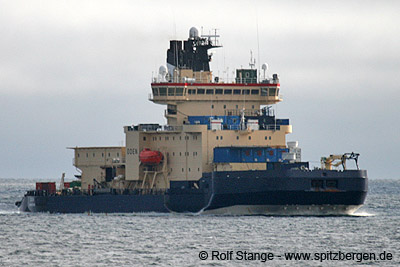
(236, 92)
(272, 91)
(252, 106)
(270, 138)
(264, 91)
(87, 155)
(200, 91)
(117, 155)
(224, 106)
(109, 154)
(160, 138)
(246, 91)
(192, 91)
(255, 92)
(218, 91)
(171, 91)
(179, 91)
(173, 153)
(144, 138)
(166, 138)
(227, 91)
(317, 184)
(221, 137)
(237, 106)
(155, 91)
(332, 183)
(217, 137)
(94, 155)
(210, 91)
(249, 137)
(266, 138)
(78, 155)
(212, 106)
(162, 91)
(237, 137)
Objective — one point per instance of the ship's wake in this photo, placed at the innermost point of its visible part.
(362, 214)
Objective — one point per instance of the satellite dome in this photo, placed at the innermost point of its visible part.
(193, 33)
(162, 70)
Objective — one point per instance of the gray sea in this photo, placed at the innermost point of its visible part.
(41, 239)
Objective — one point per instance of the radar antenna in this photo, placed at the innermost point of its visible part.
(209, 36)
(252, 60)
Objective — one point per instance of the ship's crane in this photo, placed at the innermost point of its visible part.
(336, 160)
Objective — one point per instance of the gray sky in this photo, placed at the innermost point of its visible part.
(73, 73)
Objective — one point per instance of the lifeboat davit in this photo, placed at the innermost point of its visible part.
(150, 157)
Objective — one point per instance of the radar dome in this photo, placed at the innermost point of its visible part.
(162, 70)
(193, 33)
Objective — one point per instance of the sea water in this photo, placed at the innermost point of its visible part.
(43, 239)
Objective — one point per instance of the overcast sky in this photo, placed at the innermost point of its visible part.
(73, 73)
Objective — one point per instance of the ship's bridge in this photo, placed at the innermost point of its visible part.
(265, 93)
(192, 98)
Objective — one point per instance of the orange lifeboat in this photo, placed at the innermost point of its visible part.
(150, 157)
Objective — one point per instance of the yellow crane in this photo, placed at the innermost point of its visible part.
(336, 160)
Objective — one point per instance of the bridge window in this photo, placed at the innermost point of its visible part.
(155, 91)
(255, 92)
(227, 91)
(272, 91)
(192, 91)
(163, 91)
(210, 91)
(246, 91)
(200, 91)
(179, 91)
(236, 92)
(218, 91)
(264, 91)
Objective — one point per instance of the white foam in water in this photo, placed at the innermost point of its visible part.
(9, 212)
(362, 214)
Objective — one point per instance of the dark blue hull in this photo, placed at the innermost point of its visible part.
(247, 192)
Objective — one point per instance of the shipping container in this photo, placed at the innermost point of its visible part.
(50, 187)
